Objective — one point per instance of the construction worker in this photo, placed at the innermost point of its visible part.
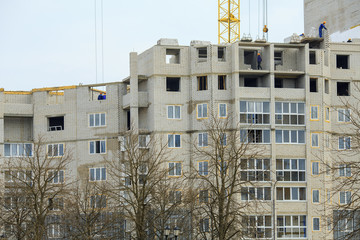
(100, 97)
(322, 26)
(302, 35)
(259, 60)
(349, 40)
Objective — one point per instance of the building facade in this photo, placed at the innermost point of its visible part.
(293, 107)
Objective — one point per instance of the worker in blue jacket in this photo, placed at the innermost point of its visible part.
(322, 26)
(259, 60)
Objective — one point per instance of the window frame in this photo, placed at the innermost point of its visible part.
(252, 170)
(174, 107)
(173, 170)
(204, 168)
(313, 224)
(313, 191)
(347, 201)
(202, 140)
(174, 136)
(18, 149)
(344, 114)
(201, 105)
(283, 228)
(220, 105)
(95, 174)
(202, 83)
(94, 142)
(346, 143)
(317, 138)
(312, 168)
(246, 193)
(244, 136)
(291, 189)
(315, 118)
(290, 132)
(252, 117)
(288, 168)
(58, 149)
(327, 114)
(60, 177)
(101, 123)
(346, 169)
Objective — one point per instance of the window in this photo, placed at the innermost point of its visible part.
(327, 114)
(204, 225)
(123, 140)
(344, 143)
(346, 223)
(255, 193)
(326, 88)
(315, 169)
(292, 170)
(56, 204)
(203, 168)
(172, 56)
(312, 57)
(56, 177)
(221, 54)
(316, 224)
(291, 193)
(328, 196)
(97, 119)
(55, 150)
(289, 113)
(293, 226)
(56, 123)
(173, 112)
(222, 110)
(278, 58)
(314, 113)
(202, 110)
(18, 149)
(175, 196)
(54, 231)
(223, 139)
(173, 84)
(255, 170)
(98, 201)
(98, 146)
(174, 140)
(315, 140)
(290, 136)
(343, 88)
(222, 82)
(18, 175)
(250, 82)
(313, 85)
(19, 203)
(97, 174)
(345, 170)
(342, 61)
(258, 227)
(316, 196)
(174, 169)
(203, 196)
(202, 83)
(345, 197)
(144, 141)
(203, 139)
(255, 136)
(254, 112)
(344, 115)
(202, 53)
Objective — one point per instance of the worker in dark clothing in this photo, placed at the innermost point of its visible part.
(349, 40)
(322, 26)
(100, 97)
(259, 60)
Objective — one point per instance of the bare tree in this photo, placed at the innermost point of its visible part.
(141, 185)
(89, 214)
(34, 187)
(219, 212)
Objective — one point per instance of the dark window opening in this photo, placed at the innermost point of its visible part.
(202, 83)
(56, 123)
(343, 88)
(128, 122)
(249, 57)
(313, 85)
(173, 56)
(326, 83)
(312, 57)
(250, 82)
(172, 84)
(278, 58)
(221, 53)
(278, 83)
(222, 82)
(202, 53)
(342, 61)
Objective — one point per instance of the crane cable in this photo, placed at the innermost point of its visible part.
(96, 40)
(258, 18)
(96, 58)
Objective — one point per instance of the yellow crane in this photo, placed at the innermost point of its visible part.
(228, 21)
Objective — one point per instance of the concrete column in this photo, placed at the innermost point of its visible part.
(134, 91)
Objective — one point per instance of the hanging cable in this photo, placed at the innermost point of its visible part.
(249, 17)
(258, 18)
(102, 41)
(96, 58)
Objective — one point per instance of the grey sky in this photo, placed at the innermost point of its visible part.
(46, 43)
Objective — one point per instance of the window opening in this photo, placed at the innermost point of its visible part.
(343, 88)
(172, 84)
(222, 82)
(56, 123)
(250, 82)
(202, 83)
(342, 61)
(312, 57)
(202, 54)
(221, 54)
(313, 85)
(172, 56)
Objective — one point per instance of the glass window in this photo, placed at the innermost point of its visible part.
(290, 136)
(204, 168)
(314, 113)
(222, 110)
(316, 224)
(97, 174)
(345, 170)
(98, 146)
(315, 140)
(290, 193)
(287, 113)
(291, 226)
(174, 141)
(174, 169)
(315, 196)
(290, 170)
(255, 193)
(255, 136)
(18, 149)
(203, 140)
(315, 168)
(173, 112)
(258, 227)
(255, 170)
(344, 115)
(254, 112)
(344, 143)
(97, 119)
(202, 110)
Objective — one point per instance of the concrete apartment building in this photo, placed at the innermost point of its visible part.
(292, 107)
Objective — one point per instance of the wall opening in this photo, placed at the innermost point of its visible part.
(313, 85)
(56, 123)
(202, 83)
(128, 121)
(250, 82)
(278, 58)
(222, 82)
(202, 54)
(343, 88)
(172, 84)
(326, 88)
(342, 61)
(288, 83)
(221, 54)
(312, 57)
(173, 56)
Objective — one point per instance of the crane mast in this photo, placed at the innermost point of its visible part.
(228, 21)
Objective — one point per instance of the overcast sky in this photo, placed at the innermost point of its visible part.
(47, 43)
